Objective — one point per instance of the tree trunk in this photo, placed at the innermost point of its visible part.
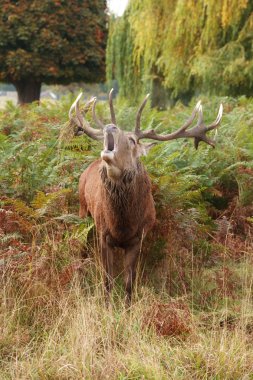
(28, 90)
(159, 97)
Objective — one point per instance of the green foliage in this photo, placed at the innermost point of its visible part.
(34, 160)
(119, 58)
(30, 156)
(188, 46)
(189, 176)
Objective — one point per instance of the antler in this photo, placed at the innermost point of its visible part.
(113, 118)
(138, 116)
(198, 132)
(84, 125)
(96, 119)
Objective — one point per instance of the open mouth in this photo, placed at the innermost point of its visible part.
(109, 142)
(110, 147)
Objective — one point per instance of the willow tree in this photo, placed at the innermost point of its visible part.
(187, 46)
(51, 41)
(120, 64)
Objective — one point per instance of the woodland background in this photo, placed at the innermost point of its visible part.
(192, 314)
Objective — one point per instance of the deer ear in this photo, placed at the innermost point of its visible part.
(146, 148)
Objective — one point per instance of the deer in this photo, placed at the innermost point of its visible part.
(116, 190)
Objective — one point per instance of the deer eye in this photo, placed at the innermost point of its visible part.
(132, 141)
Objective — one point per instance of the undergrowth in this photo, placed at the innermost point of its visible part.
(192, 314)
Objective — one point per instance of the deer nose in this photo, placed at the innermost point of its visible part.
(111, 128)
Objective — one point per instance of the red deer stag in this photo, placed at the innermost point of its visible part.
(116, 189)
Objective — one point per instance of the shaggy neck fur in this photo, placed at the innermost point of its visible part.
(120, 190)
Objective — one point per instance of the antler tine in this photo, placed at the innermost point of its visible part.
(95, 118)
(83, 125)
(197, 108)
(181, 132)
(79, 116)
(200, 111)
(138, 117)
(74, 104)
(113, 118)
(217, 121)
(198, 132)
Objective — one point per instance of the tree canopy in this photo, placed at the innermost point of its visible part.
(188, 46)
(51, 41)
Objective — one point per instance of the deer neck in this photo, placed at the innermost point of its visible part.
(121, 192)
(124, 202)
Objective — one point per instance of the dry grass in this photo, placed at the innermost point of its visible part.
(55, 324)
(55, 331)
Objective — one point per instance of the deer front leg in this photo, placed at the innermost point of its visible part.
(131, 258)
(107, 263)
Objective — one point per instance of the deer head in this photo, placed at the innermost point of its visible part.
(122, 149)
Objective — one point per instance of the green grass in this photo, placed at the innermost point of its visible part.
(192, 315)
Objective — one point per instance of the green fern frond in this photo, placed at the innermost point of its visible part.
(40, 200)
(81, 232)
(77, 143)
(70, 218)
(20, 207)
(43, 203)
